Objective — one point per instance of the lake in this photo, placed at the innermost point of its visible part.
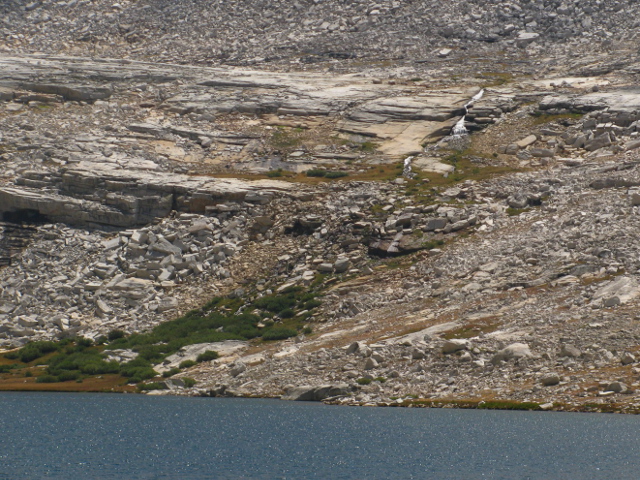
(104, 436)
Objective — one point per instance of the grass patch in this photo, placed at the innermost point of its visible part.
(368, 147)
(146, 387)
(495, 79)
(472, 329)
(540, 117)
(187, 364)
(479, 404)
(512, 212)
(279, 333)
(286, 138)
(33, 351)
(207, 356)
(431, 244)
(320, 173)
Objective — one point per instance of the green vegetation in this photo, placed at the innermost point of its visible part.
(189, 382)
(171, 373)
(279, 333)
(368, 147)
(431, 244)
(153, 386)
(318, 172)
(495, 79)
(285, 138)
(512, 212)
(364, 381)
(187, 364)
(115, 335)
(32, 351)
(222, 318)
(274, 173)
(207, 356)
(8, 368)
(335, 174)
(541, 117)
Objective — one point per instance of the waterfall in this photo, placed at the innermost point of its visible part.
(406, 171)
(459, 129)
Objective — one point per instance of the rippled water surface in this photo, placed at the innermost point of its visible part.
(74, 436)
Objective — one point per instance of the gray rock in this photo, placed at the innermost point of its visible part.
(237, 368)
(618, 387)
(541, 152)
(370, 364)
(454, 345)
(512, 352)
(598, 142)
(569, 351)
(417, 354)
(627, 358)
(310, 393)
(550, 380)
(341, 265)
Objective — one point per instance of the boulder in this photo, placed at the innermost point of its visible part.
(618, 387)
(512, 352)
(454, 345)
(627, 358)
(617, 292)
(550, 380)
(569, 351)
(308, 393)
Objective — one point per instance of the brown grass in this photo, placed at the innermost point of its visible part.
(104, 383)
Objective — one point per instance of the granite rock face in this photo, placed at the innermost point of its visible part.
(157, 154)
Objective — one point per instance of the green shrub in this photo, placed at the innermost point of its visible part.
(364, 381)
(115, 335)
(137, 370)
(89, 361)
(276, 303)
(7, 368)
(287, 313)
(68, 376)
(47, 379)
(207, 356)
(335, 174)
(311, 304)
(274, 173)
(171, 373)
(187, 364)
(32, 351)
(82, 342)
(153, 386)
(188, 382)
(316, 172)
(279, 333)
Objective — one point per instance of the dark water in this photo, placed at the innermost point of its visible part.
(87, 436)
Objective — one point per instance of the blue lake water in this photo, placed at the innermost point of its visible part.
(101, 436)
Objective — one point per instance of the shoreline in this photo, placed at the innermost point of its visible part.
(463, 404)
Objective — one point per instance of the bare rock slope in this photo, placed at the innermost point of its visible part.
(308, 145)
